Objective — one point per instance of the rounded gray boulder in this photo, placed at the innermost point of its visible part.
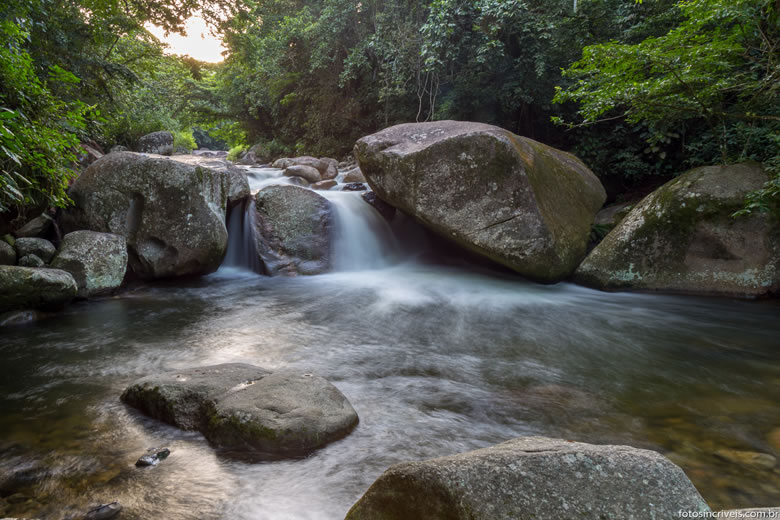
(292, 230)
(34, 288)
(245, 409)
(171, 213)
(513, 200)
(533, 478)
(160, 143)
(97, 261)
(39, 247)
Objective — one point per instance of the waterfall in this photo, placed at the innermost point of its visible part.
(241, 252)
(362, 238)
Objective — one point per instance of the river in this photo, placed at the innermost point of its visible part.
(435, 358)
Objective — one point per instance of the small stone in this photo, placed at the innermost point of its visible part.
(163, 453)
(748, 459)
(147, 460)
(324, 185)
(354, 186)
(104, 511)
(39, 247)
(31, 261)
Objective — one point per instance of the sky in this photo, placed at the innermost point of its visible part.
(198, 43)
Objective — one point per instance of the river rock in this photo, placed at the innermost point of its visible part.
(171, 213)
(282, 163)
(292, 229)
(35, 288)
(97, 261)
(31, 260)
(309, 173)
(118, 148)
(234, 177)
(533, 478)
(516, 201)
(160, 143)
(748, 459)
(386, 210)
(354, 186)
(37, 227)
(104, 511)
(89, 153)
(324, 185)
(682, 238)
(331, 168)
(244, 408)
(7, 253)
(39, 247)
(354, 175)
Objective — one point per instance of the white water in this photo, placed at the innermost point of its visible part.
(362, 239)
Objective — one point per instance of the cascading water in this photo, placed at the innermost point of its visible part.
(362, 238)
(241, 252)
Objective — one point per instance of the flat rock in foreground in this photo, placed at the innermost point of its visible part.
(533, 478)
(244, 408)
(513, 200)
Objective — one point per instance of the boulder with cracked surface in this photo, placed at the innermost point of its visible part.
(513, 200)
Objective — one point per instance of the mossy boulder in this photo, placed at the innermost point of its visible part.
(292, 229)
(683, 238)
(35, 288)
(516, 201)
(172, 214)
(243, 408)
(97, 261)
(533, 478)
(39, 247)
(160, 143)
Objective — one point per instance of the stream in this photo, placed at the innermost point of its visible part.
(436, 359)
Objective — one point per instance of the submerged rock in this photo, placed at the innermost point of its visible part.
(292, 230)
(172, 214)
(152, 458)
(516, 201)
(35, 288)
(160, 143)
(683, 238)
(104, 511)
(97, 261)
(533, 478)
(244, 408)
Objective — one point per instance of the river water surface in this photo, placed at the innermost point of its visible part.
(435, 359)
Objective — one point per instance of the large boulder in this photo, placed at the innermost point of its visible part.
(533, 478)
(171, 213)
(34, 288)
(97, 261)
(292, 229)
(511, 199)
(39, 247)
(244, 408)
(235, 178)
(683, 238)
(160, 143)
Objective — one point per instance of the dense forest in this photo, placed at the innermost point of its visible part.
(640, 91)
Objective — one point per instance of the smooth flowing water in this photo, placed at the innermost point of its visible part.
(436, 360)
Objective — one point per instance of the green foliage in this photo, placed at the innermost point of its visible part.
(717, 72)
(184, 140)
(38, 131)
(236, 152)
